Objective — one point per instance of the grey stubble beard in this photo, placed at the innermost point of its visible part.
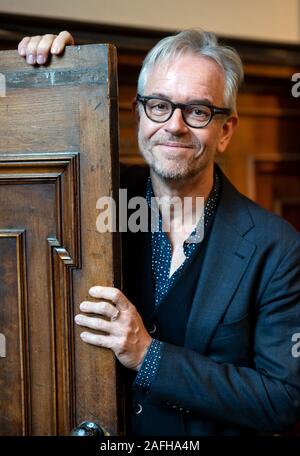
(179, 173)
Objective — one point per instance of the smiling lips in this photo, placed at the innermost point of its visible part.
(176, 145)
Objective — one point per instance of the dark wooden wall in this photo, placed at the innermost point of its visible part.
(263, 160)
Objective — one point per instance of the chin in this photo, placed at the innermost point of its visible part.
(174, 172)
(174, 169)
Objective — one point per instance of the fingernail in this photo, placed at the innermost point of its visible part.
(23, 51)
(41, 59)
(83, 306)
(55, 49)
(31, 59)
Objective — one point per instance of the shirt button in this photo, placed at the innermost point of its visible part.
(152, 330)
(138, 409)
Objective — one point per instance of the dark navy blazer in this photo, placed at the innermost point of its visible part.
(236, 371)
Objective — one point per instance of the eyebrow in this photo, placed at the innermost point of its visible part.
(204, 101)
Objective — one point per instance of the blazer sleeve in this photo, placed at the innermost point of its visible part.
(265, 396)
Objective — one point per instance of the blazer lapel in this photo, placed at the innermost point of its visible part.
(226, 259)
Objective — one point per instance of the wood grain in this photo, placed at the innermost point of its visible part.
(58, 155)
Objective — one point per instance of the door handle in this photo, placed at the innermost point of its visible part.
(89, 429)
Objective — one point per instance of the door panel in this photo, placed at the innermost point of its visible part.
(15, 363)
(277, 186)
(58, 155)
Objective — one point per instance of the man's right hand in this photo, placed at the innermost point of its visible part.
(36, 49)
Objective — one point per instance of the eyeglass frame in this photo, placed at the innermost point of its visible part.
(214, 110)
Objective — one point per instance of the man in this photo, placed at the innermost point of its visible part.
(206, 328)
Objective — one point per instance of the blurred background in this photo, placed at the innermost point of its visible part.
(263, 159)
(258, 19)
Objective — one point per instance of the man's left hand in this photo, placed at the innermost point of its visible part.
(123, 326)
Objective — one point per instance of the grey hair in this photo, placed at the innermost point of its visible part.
(202, 43)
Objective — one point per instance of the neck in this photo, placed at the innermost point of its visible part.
(172, 216)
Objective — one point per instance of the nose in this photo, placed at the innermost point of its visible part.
(176, 124)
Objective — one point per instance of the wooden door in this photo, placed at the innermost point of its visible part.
(58, 155)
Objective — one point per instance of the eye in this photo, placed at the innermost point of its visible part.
(199, 111)
(158, 107)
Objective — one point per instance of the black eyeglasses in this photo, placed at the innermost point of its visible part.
(194, 115)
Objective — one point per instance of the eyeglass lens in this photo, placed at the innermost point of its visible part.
(161, 110)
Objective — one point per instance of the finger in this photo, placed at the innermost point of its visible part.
(94, 323)
(43, 49)
(96, 339)
(102, 308)
(61, 41)
(111, 294)
(22, 46)
(31, 49)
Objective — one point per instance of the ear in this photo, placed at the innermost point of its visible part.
(226, 132)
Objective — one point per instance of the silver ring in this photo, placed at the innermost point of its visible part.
(115, 316)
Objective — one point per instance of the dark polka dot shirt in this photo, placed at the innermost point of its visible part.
(161, 263)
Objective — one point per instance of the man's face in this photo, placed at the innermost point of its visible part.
(172, 149)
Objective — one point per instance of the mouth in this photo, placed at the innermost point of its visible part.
(174, 145)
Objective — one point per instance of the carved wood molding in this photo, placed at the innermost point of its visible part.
(270, 164)
(61, 169)
(20, 334)
(62, 316)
